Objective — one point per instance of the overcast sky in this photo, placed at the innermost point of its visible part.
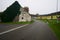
(35, 6)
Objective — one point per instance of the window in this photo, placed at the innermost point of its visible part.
(22, 17)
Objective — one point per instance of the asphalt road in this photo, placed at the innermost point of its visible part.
(5, 27)
(36, 31)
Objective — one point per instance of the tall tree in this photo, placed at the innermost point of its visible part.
(11, 12)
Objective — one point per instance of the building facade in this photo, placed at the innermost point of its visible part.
(24, 16)
(54, 15)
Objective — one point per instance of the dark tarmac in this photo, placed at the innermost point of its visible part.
(35, 31)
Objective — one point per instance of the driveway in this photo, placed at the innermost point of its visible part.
(35, 31)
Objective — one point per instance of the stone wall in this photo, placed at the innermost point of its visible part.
(24, 16)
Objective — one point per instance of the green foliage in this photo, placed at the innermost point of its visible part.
(11, 12)
(1, 13)
(18, 22)
(54, 26)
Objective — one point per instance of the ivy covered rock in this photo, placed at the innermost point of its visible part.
(11, 12)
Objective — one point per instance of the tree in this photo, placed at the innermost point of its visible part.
(11, 12)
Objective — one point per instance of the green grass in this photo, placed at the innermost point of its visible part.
(54, 26)
(18, 22)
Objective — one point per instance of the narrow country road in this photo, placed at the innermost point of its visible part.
(35, 31)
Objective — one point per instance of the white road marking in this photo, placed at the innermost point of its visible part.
(12, 29)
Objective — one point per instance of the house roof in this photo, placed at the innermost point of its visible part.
(55, 13)
(33, 15)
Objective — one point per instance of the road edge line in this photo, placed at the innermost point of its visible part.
(12, 29)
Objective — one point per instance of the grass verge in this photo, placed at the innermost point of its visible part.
(54, 26)
(18, 22)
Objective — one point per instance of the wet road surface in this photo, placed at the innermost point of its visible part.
(5, 27)
(35, 31)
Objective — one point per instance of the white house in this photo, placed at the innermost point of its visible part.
(24, 16)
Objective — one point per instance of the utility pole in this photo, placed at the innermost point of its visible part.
(57, 6)
(57, 10)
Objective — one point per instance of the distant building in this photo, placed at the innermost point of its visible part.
(54, 15)
(58, 18)
(24, 16)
